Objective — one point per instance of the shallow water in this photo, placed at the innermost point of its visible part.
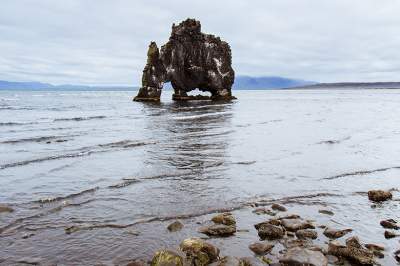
(117, 167)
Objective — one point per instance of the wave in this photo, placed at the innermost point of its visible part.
(335, 141)
(70, 196)
(362, 172)
(34, 139)
(80, 118)
(17, 123)
(86, 151)
(193, 117)
(18, 223)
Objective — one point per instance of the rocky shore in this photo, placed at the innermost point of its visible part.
(284, 238)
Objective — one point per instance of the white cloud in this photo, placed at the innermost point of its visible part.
(105, 42)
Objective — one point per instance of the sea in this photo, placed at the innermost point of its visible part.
(94, 178)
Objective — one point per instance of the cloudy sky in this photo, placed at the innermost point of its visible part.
(105, 41)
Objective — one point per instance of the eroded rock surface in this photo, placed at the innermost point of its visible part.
(189, 60)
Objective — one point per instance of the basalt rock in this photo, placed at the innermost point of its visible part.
(189, 60)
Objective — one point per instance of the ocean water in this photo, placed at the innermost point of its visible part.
(122, 170)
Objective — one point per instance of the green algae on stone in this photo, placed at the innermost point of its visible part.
(198, 252)
(224, 218)
(166, 258)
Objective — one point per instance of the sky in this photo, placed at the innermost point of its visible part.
(104, 42)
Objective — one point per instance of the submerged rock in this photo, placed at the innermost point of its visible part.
(379, 195)
(306, 233)
(189, 60)
(260, 211)
(218, 230)
(4, 208)
(224, 218)
(261, 248)
(301, 256)
(167, 258)
(72, 229)
(353, 251)
(335, 233)
(198, 252)
(269, 231)
(327, 212)
(278, 207)
(175, 226)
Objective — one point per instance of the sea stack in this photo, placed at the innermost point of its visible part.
(189, 60)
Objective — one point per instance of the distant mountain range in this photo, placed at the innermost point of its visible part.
(262, 83)
(350, 85)
(241, 83)
(10, 85)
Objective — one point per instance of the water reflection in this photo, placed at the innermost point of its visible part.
(192, 137)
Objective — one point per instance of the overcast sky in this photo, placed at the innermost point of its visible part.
(105, 41)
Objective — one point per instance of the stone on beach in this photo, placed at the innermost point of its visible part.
(302, 256)
(296, 224)
(261, 248)
(353, 251)
(390, 234)
(269, 231)
(218, 230)
(336, 233)
(327, 212)
(167, 258)
(224, 218)
(389, 224)
(379, 195)
(175, 226)
(199, 252)
(306, 233)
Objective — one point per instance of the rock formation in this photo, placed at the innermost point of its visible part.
(189, 60)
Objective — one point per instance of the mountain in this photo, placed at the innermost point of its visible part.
(11, 85)
(351, 85)
(241, 82)
(261, 83)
